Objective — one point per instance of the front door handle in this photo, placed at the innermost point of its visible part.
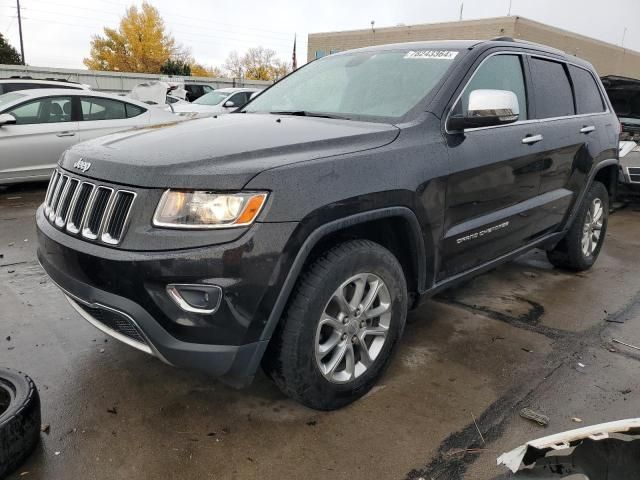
(587, 129)
(531, 139)
(66, 134)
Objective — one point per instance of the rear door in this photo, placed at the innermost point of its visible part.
(495, 178)
(101, 116)
(569, 139)
(32, 147)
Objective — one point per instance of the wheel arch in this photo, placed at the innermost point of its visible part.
(397, 222)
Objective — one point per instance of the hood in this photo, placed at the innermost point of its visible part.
(624, 94)
(220, 153)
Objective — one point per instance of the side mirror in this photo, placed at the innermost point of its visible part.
(487, 108)
(7, 119)
(229, 104)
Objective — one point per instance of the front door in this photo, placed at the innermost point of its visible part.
(43, 131)
(495, 179)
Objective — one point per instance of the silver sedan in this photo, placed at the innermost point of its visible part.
(37, 126)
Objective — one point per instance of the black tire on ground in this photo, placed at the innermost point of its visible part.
(19, 419)
(569, 254)
(290, 359)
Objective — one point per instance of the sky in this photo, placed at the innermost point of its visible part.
(57, 32)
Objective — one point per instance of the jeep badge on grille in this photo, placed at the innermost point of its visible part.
(82, 165)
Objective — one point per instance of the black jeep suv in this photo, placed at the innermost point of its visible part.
(296, 233)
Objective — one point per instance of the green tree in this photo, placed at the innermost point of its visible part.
(176, 67)
(8, 54)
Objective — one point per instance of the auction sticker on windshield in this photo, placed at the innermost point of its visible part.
(436, 54)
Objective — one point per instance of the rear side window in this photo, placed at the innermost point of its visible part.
(588, 97)
(500, 72)
(553, 94)
(133, 110)
(102, 109)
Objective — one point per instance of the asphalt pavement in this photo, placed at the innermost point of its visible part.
(523, 335)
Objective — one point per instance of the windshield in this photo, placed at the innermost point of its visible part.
(211, 98)
(366, 84)
(8, 98)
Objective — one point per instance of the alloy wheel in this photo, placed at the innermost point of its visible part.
(353, 328)
(592, 228)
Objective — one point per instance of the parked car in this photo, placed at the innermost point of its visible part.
(624, 94)
(36, 126)
(297, 232)
(13, 84)
(196, 90)
(223, 100)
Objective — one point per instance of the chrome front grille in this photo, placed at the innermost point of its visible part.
(634, 174)
(96, 212)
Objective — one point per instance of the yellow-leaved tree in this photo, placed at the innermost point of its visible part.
(140, 44)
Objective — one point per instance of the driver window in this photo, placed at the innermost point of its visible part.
(45, 110)
(500, 72)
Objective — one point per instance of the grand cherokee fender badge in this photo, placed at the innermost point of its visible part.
(82, 165)
(482, 233)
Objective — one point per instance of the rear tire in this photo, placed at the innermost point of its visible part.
(343, 320)
(19, 419)
(581, 246)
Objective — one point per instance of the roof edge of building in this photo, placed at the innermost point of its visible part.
(419, 25)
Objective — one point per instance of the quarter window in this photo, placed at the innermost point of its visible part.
(588, 97)
(500, 72)
(102, 109)
(553, 94)
(44, 110)
(134, 110)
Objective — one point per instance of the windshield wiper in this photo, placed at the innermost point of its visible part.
(306, 113)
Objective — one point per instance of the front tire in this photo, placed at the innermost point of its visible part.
(580, 248)
(344, 318)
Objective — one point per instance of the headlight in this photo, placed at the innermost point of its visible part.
(197, 209)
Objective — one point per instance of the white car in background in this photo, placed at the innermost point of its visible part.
(13, 84)
(37, 126)
(222, 100)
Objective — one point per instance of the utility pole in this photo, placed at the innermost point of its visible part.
(509, 13)
(624, 34)
(20, 30)
(461, 10)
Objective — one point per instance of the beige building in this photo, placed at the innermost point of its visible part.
(608, 59)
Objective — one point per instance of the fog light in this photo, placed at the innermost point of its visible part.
(195, 298)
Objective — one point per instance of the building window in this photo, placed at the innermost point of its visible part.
(320, 53)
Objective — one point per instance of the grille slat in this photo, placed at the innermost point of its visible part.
(97, 212)
(56, 196)
(65, 202)
(80, 206)
(118, 218)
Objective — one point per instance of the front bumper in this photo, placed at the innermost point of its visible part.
(123, 294)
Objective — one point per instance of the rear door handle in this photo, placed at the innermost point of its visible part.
(66, 134)
(531, 139)
(587, 129)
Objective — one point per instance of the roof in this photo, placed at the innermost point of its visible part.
(468, 44)
(47, 81)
